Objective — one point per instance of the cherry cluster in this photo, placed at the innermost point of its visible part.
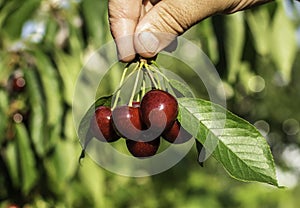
(142, 123)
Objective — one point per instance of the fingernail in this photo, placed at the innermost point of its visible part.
(149, 42)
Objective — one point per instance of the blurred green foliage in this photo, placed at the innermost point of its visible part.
(46, 42)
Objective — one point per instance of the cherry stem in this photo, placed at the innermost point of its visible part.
(141, 94)
(135, 83)
(149, 72)
(158, 81)
(156, 69)
(155, 64)
(160, 73)
(118, 91)
(143, 87)
(121, 83)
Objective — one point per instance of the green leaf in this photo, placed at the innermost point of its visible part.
(4, 105)
(85, 121)
(181, 88)
(69, 127)
(51, 88)
(6, 68)
(259, 23)
(93, 17)
(11, 160)
(209, 39)
(92, 183)
(283, 41)
(62, 165)
(234, 43)
(19, 12)
(68, 68)
(26, 159)
(234, 142)
(37, 115)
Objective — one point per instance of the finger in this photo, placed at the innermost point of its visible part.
(238, 5)
(146, 6)
(169, 18)
(123, 18)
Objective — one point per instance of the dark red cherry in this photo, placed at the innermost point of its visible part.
(143, 149)
(127, 122)
(101, 125)
(176, 134)
(18, 83)
(159, 110)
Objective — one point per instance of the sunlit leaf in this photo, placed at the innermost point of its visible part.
(259, 24)
(283, 41)
(234, 43)
(234, 142)
(11, 156)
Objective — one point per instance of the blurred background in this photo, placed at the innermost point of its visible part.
(43, 46)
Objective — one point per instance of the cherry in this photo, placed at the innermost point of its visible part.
(143, 149)
(101, 125)
(18, 83)
(176, 134)
(127, 121)
(158, 109)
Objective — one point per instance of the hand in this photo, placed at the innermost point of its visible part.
(148, 26)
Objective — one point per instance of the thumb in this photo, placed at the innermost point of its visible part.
(166, 20)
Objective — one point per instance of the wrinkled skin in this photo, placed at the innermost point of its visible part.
(148, 26)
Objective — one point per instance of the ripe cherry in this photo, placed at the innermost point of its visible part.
(18, 83)
(101, 125)
(143, 149)
(127, 121)
(159, 110)
(176, 134)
